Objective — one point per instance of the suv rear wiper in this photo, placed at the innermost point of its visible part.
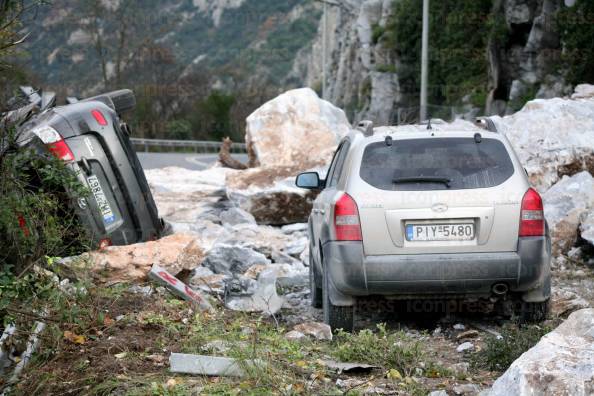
(423, 179)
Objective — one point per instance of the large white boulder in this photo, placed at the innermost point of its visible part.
(562, 363)
(553, 137)
(296, 129)
(566, 204)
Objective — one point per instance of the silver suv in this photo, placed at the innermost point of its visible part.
(426, 215)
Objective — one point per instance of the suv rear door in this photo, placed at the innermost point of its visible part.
(439, 195)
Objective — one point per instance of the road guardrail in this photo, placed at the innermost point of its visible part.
(198, 146)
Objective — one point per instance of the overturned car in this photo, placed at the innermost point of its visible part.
(93, 141)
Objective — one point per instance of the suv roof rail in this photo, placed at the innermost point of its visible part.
(486, 123)
(366, 127)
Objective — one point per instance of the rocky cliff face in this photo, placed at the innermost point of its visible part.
(354, 81)
(522, 55)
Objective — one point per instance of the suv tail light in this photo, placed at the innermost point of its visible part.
(346, 219)
(532, 221)
(54, 143)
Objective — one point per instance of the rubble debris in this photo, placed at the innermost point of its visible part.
(265, 299)
(4, 351)
(341, 367)
(565, 204)
(230, 259)
(467, 389)
(234, 216)
(209, 365)
(467, 334)
(177, 287)
(564, 357)
(465, 347)
(225, 157)
(32, 345)
(132, 263)
(295, 335)
(207, 281)
(564, 302)
(320, 331)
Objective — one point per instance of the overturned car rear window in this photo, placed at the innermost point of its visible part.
(436, 164)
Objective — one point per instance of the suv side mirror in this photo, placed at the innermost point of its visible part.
(309, 180)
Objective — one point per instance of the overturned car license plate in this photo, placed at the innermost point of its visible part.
(440, 232)
(102, 202)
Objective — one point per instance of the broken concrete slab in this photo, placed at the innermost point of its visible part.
(179, 288)
(209, 365)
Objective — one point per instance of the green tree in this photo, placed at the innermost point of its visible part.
(214, 115)
(577, 36)
(179, 130)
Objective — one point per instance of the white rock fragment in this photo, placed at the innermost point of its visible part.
(320, 331)
(564, 357)
(565, 204)
(265, 299)
(465, 347)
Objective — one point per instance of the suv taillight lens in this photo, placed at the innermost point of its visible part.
(346, 219)
(532, 221)
(54, 143)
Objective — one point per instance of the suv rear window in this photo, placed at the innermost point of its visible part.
(436, 164)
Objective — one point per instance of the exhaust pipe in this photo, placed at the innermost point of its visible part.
(500, 289)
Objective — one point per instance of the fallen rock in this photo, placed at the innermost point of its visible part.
(297, 227)
(562, 363)
(287, 275)
(236, 216)
(438, 393)
(467, 334)
(132, 263)
(265, 299)
(296, 128)
(565, 204)
(320, 331)
(467, 389)
(564, 302)
(231, 259)
(583, 91)
(553, 137)
(465, 347)
(461, 369)
(294, 335)
(270, 195)
(587, 227)
(207, 281)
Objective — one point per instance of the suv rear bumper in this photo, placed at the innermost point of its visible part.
(352, 274)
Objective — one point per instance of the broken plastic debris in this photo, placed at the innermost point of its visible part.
(179, 288)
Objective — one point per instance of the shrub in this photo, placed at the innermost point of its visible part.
(500, 353)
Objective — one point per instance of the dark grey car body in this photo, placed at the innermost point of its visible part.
(103, 154)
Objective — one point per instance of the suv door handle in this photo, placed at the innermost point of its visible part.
(321, 211)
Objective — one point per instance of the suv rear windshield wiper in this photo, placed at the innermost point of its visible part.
(423, 179)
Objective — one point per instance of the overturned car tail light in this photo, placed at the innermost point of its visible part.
(104, 243)
(532, 221)
(346, 219)
(54, 142)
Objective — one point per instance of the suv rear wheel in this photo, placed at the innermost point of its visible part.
(532, 312)
(315, 291)
(334, 316)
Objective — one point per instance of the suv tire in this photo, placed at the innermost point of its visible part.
(532, 312)
(315, 291)
(334, 316)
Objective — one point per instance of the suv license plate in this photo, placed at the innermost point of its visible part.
(102, 202)
(440, 232)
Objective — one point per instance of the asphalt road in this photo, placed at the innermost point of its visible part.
(182, 160)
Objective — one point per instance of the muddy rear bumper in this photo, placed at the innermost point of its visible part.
(352, 274)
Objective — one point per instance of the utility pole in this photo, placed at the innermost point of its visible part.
(425, 61)
(324, 49)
